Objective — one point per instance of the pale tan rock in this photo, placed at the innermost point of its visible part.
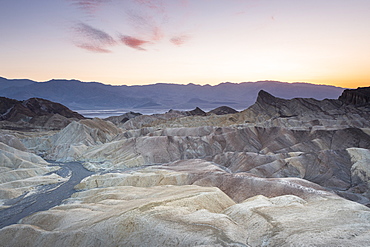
(142, 178)
(13, 158)
(22, 171)
(200, 172)
(191, 216)
(317, 154)
(12, 141)
(70, 142)
(360, 170)
(15, 188)
(113, 155)
(131, 216)
(290, 221)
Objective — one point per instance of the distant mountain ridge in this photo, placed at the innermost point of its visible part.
(79, 95)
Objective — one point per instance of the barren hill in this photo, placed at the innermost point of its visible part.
(35, 112)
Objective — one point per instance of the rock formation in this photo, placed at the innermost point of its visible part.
(313, 151)
(270, 111)
(68, 143)
(222, 110)
(268, 107)
(118, 120)
(35, 112)
(132, 212)
(280, 173)
(22, 171)
(359, 96)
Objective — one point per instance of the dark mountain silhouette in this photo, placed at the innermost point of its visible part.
(359, 96)
(79, 95)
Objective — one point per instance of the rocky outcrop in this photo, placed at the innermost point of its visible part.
(196, 112)
(119, 120)
(73, 140)
(36, 112)
(151, 120)
(174, 116)
(359, 96)
(12, 141)
(268, 107)
(222, 110)
(360, 170)
(43, 107)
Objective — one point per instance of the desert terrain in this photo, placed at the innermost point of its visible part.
(283, 172)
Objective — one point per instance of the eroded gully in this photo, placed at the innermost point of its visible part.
(46, 196)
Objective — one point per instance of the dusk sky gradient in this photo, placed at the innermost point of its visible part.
(136, 42)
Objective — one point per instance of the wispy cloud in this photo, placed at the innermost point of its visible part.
(93, 48)
(89, 6)
(179, 40)
(157, 5)
(145, 24)
(133, 42)
(92, 39)
(94, 34)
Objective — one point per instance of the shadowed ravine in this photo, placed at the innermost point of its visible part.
(46, 197)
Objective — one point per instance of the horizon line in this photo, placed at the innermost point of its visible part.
(178, 83)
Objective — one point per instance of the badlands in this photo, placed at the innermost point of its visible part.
(280, 173)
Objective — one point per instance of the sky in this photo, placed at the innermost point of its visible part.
(137, 42)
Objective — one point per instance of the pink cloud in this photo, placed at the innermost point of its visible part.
(93, 48)
(92, 39)
(147, 19)
(179, 40)
(133, 42)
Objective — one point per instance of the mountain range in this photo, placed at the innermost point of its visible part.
(79, 95)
